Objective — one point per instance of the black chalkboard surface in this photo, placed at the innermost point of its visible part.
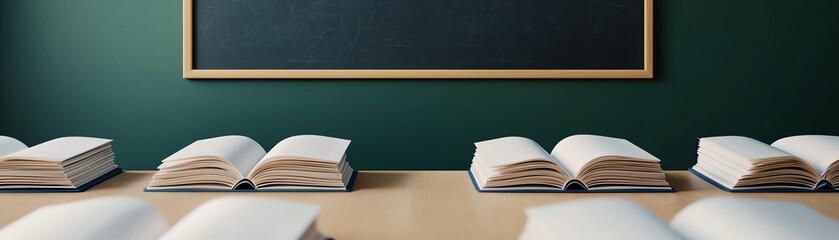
(442, 38)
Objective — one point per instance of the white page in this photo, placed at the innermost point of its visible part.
(310, 147)
(575, 151)
(238, 217)
(747, 148)
(818, 150)
(9, 145)
(242, 152)
(113, 217)
(747, 218)
(528, 233)
(509, 150)
(597, 218)
(58, 149)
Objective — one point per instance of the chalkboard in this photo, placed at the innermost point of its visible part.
(417, 39)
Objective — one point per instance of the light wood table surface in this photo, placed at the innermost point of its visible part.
(410, 204)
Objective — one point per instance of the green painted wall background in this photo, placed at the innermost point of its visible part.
(112, 68)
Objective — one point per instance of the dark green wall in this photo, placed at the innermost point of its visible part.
(112, 68)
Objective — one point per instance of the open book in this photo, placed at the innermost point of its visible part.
(577, 163)
(119, 217)
(67, 164)
(229, 163)
(797, 163)
(709, 218)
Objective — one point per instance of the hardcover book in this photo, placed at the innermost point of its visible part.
(67, 164)
(581, 163)
(238, 163)
(740, 164)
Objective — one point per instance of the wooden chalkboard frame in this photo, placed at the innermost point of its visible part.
(189, 72)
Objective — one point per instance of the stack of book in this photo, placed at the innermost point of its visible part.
(798, 163)
(62, 164)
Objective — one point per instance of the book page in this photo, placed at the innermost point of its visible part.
(242, 152)
(113, 217)
(309, 147)
(747, 218)
(58, 149)
(595, 218)
(510, 150)
(576, 151)
(238, 217)
(818, 150)
(746, 148)
(9, 145)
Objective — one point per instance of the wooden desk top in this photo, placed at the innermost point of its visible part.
(410, 204)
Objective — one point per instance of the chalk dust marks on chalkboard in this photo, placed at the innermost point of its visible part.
(434, 34)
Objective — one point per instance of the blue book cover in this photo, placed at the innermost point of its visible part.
(822, 186)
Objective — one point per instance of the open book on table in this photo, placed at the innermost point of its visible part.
(238, 163)
(583, 163)
(120, 217)
(709, 218)
(798, 163)
(67, 164)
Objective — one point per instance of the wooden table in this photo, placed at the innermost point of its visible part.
(410, 204)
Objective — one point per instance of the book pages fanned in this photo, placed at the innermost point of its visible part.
(577, 163)
(308, 163)
(797, 163)
(66, 164)
(112, 217)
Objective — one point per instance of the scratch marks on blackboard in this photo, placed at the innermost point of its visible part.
(297, 12)
(352, 45)
(328, 29)
(494, 3)
(358, 32)
(371, 17)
